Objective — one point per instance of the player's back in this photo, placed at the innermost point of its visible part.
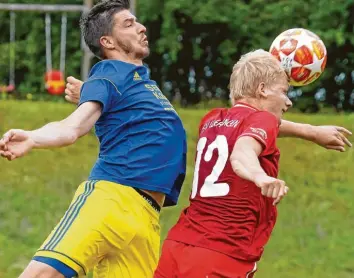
(227, 213)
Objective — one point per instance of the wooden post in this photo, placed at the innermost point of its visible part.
(87, 56)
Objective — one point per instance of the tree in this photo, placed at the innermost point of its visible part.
(194, 44)
(207, 37)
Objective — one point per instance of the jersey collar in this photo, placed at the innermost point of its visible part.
(245, 105)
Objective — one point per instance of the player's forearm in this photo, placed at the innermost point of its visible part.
(291, 129)
(54, 134)
(246, 165)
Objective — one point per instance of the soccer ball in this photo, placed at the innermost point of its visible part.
(301, 53)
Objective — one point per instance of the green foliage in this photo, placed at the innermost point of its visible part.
(226, 29)
(206, 37)
(312, 238)
(30, 47)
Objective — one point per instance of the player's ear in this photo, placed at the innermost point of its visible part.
(261, 91)
(107, 42)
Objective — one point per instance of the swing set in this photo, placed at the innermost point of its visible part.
(11, 85)
(54, 78)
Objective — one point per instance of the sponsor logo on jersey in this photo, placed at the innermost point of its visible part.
(260, 132)
(136, 76)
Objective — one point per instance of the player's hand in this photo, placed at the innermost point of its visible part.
(271, 187)
(72, 91)
(15, 143)
(332, 137)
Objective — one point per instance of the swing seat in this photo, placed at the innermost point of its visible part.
(54, 82)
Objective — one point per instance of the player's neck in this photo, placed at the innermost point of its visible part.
(251, 102)
(125, 58)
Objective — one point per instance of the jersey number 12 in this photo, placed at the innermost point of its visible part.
(210, 188)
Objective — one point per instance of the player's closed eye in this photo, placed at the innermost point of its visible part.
(128, 23)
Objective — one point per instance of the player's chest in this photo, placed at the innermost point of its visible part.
(151, 94)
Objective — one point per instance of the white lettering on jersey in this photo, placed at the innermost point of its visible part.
(210, 187)
(218, 123)
(260, 132)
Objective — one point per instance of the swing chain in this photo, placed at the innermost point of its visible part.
(12, 50)
(48, 45)
(64, 21)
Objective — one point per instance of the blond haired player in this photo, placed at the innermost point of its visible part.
(235, 189)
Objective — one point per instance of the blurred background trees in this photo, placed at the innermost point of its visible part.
(194, 45)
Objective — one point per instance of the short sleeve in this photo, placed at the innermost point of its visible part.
(99, 90)
(262, 126)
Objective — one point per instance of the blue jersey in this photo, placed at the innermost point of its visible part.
(142, 139)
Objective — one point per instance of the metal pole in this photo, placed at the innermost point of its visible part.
(133, 7)
(48, 42)
(12, 48)
(86, 59)
(55, 8)
(64, 24)
(42, 7)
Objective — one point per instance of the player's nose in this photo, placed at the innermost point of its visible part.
(141, 28)
(288, 103)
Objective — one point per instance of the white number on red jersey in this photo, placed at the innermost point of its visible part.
(209, 187)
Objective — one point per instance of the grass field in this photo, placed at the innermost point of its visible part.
(313, 236)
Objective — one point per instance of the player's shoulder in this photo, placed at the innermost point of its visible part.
(113, 70)
(105, 67)
(214, 114)
(262, 124)
(113, 73)
(250, 113)
(263, 116)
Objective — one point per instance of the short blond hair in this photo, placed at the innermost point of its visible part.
(252, 69)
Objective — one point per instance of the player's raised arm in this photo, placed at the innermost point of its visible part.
(16, 143)
(329, 137)
(245, 163)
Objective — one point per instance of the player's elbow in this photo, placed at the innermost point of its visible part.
(244, 156)
(236, 162)
(72, 132)
(73, 137)
(69, 138)
(69, 135)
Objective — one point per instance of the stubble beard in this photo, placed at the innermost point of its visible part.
(129, 50)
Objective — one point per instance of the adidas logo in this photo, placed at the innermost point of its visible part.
(137, 76)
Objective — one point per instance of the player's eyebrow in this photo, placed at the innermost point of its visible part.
(131, 19)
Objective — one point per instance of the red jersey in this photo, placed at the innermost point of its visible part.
(229, 214)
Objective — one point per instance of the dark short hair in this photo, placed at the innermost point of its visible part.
(99, 22)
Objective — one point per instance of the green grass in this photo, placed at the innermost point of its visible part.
(314, 232)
